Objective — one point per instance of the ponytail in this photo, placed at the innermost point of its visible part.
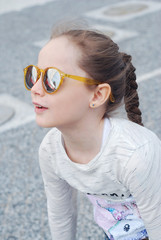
(131, 98)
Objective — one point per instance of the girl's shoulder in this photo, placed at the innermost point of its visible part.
(131, 133)
(133, 147)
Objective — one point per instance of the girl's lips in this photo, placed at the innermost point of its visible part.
(39, 108)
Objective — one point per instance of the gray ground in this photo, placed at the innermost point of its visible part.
(23, 213)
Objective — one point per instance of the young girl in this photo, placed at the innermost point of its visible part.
(80, 79)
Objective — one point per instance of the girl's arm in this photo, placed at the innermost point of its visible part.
(142, 177)
(61, 200)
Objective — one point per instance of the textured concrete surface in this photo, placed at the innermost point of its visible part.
(23, 213)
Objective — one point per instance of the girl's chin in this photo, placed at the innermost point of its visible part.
(44, 124)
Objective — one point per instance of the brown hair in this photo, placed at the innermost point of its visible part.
(102, 61)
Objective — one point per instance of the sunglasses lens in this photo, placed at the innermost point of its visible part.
(31, 76)
(52, 80)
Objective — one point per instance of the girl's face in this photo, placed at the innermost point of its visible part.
(71, 103)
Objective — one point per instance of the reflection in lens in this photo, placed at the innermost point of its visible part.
(52, 80)
(31, 77)
(34, 75)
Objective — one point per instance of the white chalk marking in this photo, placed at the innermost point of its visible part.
(17, 5)
(24, 113)
(115, 33)
(149, 75)
(124, 11)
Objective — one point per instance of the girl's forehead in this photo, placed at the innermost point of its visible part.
(60, 46)
(61, 53)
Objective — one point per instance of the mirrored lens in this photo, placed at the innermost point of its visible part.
(52, 80)
(31, 76)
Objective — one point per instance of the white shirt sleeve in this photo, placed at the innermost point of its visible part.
(142, 176)
(61, 200)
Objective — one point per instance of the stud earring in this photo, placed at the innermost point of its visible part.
(93, 104)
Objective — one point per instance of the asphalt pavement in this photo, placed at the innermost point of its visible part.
(24, 27)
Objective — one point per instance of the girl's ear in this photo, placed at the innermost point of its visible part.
(100, 95)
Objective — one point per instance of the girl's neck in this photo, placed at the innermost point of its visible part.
(82, 143)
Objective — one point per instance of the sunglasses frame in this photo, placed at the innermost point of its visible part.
(62, 75)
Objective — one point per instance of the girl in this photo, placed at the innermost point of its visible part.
(80, 79)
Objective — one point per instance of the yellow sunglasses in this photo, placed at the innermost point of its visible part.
(52, 78)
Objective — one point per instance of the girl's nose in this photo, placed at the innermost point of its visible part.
(38, 89)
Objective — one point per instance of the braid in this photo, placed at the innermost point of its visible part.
(131, 97)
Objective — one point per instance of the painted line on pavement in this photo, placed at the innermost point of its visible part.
(146, 76)
(124, 10)
(18, 5)
(24, 113)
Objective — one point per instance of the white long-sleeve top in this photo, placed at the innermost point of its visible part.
(125, 173)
